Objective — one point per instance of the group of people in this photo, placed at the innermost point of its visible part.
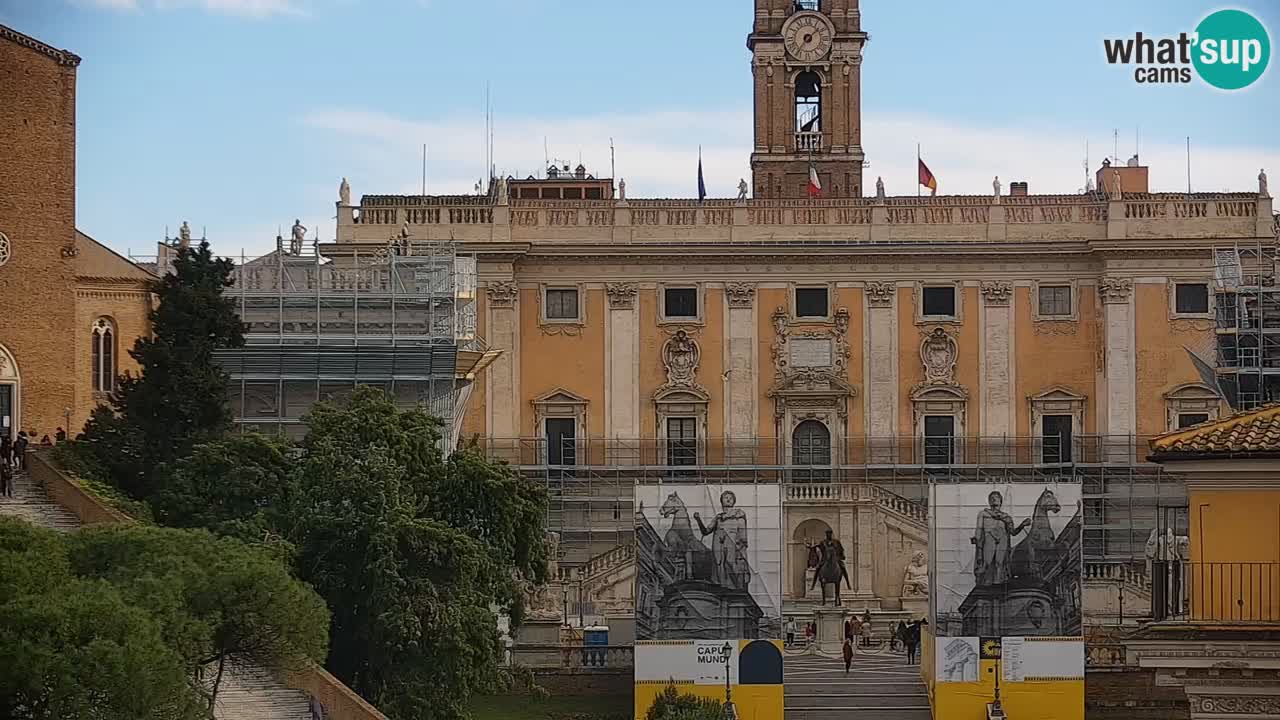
(857, 633)
(13, 457)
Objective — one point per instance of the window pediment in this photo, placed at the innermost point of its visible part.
(681, 395)
(1192, 391)
(929, 392)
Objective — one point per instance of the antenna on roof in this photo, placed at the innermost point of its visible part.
(1115, 149)
(546, 157)
(1188, 164)
(613, 169)
(424, 169)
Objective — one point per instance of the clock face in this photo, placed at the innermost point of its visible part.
(808, 36)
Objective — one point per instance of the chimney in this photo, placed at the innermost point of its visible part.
(1018, 189)
(1133, 177)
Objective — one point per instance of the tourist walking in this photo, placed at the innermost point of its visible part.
(900, 634)
(6, 448)
(791, 632)
(912, 641)
(847, 650)
(60, 435)
(20, 450)
(866, 629)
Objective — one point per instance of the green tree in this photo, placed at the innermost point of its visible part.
(219, 602)
(410, 551)
(71, 648)
(235, 486)
(671, 705)
(180, 398)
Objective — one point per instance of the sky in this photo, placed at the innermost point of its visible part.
(242, 115)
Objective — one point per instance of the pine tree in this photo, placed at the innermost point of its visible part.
(180, 398)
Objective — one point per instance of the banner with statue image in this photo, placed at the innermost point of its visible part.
(1007, 559)
(708, 562)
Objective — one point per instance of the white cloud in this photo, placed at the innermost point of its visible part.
(246, 8)
(657, 153)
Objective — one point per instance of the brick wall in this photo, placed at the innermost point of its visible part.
(593, 683)
(37, 213)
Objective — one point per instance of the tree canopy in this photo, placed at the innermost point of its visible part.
(180, 398)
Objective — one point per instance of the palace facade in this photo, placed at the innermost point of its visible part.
(855, 346)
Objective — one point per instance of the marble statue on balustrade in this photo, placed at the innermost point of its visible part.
(879, 188)
(915, 581)
(743, 189)
(995, 186)
(1262, 183)
(184, 235)
(622, 190)
(299, 234)
(344, 193)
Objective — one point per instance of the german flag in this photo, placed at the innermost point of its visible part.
(927, 179)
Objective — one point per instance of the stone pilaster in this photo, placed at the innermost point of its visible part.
(999, 405)
(741, 381)
(622, 370)
(1120, 368)
(880, 348)
(502, 328)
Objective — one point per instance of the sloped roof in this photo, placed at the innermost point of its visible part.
(64, 57)
(1252, 433)
(99, 262)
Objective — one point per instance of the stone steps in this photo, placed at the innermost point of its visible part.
(246, 693)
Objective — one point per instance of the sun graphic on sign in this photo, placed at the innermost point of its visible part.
(991, 648)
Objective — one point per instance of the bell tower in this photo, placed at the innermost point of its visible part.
(807, 63)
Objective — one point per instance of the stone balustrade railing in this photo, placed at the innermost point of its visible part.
(1117, 572)
(575, 657)
(839, 221)
(822, 493)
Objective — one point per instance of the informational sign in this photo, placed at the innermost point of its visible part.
(695, 662)
(1042, 659)
(957, 659)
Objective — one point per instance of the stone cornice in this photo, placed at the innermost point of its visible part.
(65, 58)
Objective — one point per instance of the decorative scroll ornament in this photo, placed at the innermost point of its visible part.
(740, 294)
(938, 352)
(502, 293)
(622, 295)
(997, 293)
(880, 294)
(680, 355)
(5, 249)
(1115, 290)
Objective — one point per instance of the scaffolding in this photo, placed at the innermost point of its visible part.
(592, 490)
(1245, 356)
(392, 317)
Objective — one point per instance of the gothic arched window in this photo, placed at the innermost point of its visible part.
(811, 451)
(808, 111)
(103, 355)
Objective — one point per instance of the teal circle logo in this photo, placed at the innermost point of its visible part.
(1232, 49)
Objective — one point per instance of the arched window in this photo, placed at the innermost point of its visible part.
(811, 451)
(808, 112)
(103, 355)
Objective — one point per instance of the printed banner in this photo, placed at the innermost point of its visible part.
(743, 674)
(708, 562)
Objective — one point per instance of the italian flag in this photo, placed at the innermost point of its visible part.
(815, 185)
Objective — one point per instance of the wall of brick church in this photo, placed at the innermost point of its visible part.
(37, 213)
(128, 310)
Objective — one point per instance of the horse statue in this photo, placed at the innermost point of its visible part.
(1038, 548)
(682, 542)
(830, 568)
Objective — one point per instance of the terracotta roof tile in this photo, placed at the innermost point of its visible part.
(1251, 431)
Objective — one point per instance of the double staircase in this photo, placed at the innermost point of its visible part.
(245, 693)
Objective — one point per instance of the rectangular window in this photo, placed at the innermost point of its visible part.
(940, 301)
(680, 302)
(682, 441)
(561, 446)
(1057, 439)
(811, 302)
(1191, 298)
(1055, 300)
(562, 304)
(939, 439)
(1189, 419)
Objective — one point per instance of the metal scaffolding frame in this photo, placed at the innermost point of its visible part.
(393, 317)
(1246, 344)
(592, 497)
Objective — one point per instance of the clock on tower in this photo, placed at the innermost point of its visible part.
(807, 61)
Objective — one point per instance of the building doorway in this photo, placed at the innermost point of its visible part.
(10, 395)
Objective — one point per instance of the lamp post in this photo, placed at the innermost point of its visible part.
(564, 595)
(730, 712)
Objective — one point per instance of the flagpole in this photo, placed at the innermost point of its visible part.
(917, 169)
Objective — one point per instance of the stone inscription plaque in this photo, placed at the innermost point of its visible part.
(810, 352)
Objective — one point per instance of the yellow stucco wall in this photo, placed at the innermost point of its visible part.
(563, 360)
(1233, 526)
(1162, 361)
(1057, 700)
(1055, 353)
